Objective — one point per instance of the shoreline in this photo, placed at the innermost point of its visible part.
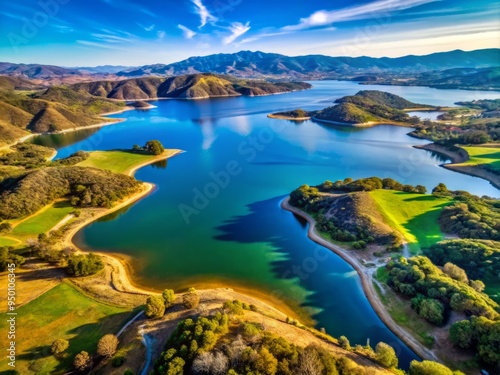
(280, 117)
(457, 158)
(122, 272)
(366, 283)
(362, 124)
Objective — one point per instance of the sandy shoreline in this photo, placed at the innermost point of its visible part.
(363, 124)
(280, 117)
(366, 282)
(458, 157)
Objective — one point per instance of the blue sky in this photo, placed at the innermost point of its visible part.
(134, 32)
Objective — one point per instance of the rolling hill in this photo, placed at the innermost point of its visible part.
(190, 86)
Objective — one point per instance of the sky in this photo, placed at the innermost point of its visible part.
(135, 32)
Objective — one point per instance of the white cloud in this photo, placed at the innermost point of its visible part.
(188, 33)
(237, 29)
(161, 34)
(147, 28)
(325, 17)
(203, 12)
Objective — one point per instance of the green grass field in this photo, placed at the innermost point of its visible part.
(62, 312)
(489, 156)
(118, 161)
(413, 215)
(41, 222)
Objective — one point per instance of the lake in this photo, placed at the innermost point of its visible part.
(215, 217)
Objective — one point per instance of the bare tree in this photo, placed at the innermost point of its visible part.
(220, 363)
(235, 350)
(309, 362)
(107, 345)
(203, 363)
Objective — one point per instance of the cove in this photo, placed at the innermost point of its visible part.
(239, 236)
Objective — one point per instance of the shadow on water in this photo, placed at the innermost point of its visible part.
(345, 311)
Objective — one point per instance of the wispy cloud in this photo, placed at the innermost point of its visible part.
(161, 34)
(237, 29)
(202, 11)
(146, 28)
(326, 17)
(87, 43)
(188, 33)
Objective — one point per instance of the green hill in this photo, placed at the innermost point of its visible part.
(368, 106)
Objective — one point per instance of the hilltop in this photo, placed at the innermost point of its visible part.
(55, 109)
(189, 86)
(364, 108)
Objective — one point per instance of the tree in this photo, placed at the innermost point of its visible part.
(59, 346)
(386, 355)
(219, 364)
(455, 272)
(155, 307)
(191, 299)
(477, 285)
(440, 190)
(432, 310)
(84, 264)
(428, 368)
(420, 189)
(176, 366)
(168, 297)
(462, 334)
(203, 363)
(107, 345)
(82, 361)
(154, 147)
(309, 362)
(344, 343)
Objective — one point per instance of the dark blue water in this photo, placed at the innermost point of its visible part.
(215, 216)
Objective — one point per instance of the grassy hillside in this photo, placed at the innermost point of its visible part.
(484, 156)
(368, 106)
(375, 97)
(415, 216)
(63, 312)
(55, 109)
(190, 86)
(346, 112)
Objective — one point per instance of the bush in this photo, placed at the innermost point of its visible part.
(118, 361)
(233, 307)
(82, 361)
(386, 355)
(155, 307)
(168, 297)
(59, 346)
(191, 299)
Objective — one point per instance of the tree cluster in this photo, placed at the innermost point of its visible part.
(84, 264)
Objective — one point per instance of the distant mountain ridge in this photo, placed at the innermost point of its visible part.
(260, 64)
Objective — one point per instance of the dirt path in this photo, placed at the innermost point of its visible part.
(367, 284)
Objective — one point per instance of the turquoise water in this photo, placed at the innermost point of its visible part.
(215, 217)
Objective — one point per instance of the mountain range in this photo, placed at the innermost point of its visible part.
(272, 65)
(258, 64)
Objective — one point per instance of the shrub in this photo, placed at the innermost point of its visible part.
(155, 307)
(118, 361)
(168, 297)
(84, 265)
(191, 299)
(59, 346)
(82, 361)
